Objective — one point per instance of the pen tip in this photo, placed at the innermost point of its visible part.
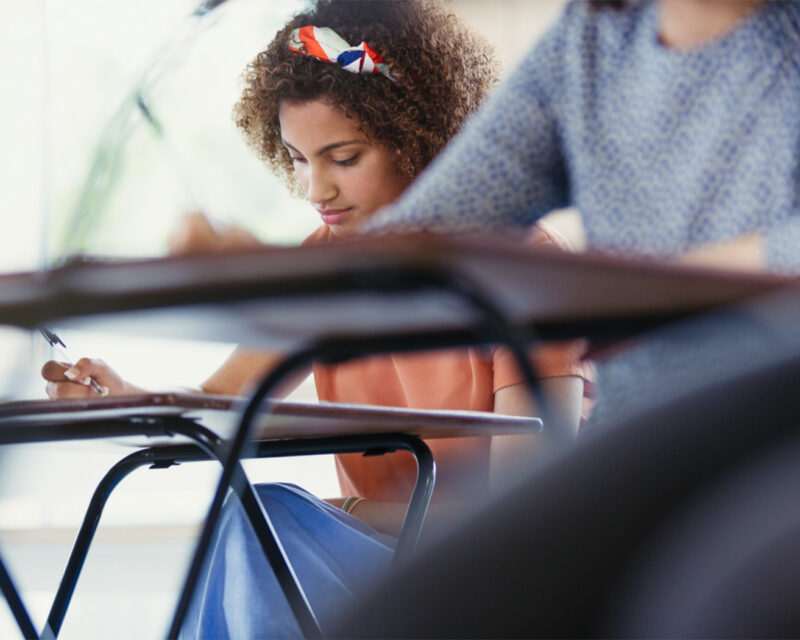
(51, 337)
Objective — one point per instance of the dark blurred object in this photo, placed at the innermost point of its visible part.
(206, 6)
(573, 550)
(609, 4)
(730, 567)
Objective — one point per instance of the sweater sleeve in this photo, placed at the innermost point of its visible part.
(505, 168)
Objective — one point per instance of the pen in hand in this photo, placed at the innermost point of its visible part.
(58, 344)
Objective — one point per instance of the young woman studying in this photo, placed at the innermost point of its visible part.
(350, 102)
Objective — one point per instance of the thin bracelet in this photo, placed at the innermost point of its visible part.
(351, 503)
(351, 507)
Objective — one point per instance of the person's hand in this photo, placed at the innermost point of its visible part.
(196, 234)
(72, 381)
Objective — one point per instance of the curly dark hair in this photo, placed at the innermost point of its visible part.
(443, 71)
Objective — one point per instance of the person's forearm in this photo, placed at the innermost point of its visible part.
(745, 253)
(388, 517)
(244, 369)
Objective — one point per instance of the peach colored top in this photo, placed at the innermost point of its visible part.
(452, 379)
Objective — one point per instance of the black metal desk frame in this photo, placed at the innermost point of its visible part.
(162, 457)
(169, 455)
(491, 329)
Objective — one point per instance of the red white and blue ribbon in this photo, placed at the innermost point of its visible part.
(327, 45)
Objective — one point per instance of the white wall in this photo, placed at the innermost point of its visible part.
(23, 134)
(512, 26)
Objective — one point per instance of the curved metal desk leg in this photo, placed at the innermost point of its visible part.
(209, 444)
(420, 499)
(15, 603)
(80, 548)
(373, 444)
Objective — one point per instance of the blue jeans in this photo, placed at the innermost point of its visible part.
(335, 556)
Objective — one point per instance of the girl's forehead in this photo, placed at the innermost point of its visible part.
(318, 109)
(317, 122)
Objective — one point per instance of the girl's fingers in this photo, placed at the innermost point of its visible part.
(54, 371)
(88, 377)
(62, 390)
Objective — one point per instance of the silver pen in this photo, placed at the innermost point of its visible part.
(58, 344)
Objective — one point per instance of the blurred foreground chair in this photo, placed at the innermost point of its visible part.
(679, 520)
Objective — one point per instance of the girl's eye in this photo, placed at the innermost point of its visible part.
(347, 161)
(296, 159)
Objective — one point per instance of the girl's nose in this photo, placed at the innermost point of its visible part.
(321, 188)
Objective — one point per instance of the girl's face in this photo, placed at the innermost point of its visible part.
(346, 178)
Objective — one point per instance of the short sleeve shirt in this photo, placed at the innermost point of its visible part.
(452, 379)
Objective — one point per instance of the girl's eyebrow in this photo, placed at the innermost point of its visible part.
(326, 148)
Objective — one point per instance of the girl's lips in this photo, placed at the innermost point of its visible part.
(333, 216)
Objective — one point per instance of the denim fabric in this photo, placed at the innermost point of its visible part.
(335, 556)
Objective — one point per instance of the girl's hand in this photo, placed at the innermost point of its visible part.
(195, 234)
(72, 381)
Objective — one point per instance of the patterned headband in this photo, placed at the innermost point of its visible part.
(327, 45)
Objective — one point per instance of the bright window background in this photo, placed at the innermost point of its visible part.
(83, 171)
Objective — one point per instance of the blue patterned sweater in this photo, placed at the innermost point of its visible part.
(661, 150)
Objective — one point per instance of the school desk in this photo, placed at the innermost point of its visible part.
(371, 295)
(171, 428)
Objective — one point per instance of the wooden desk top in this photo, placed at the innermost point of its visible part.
(279, 297)
(59, 419)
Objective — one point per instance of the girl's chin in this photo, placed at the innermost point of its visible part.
(343, 231)
(350, 228)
